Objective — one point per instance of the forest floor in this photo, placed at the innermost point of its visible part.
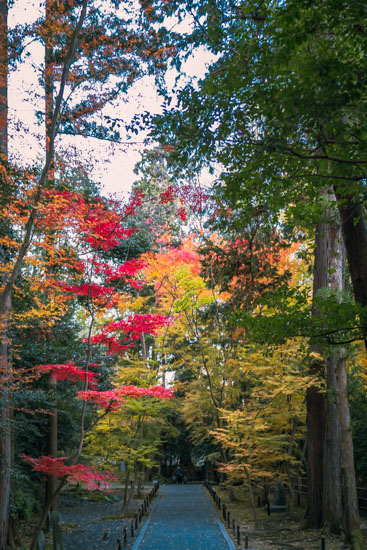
(92, 521)
(278, 531)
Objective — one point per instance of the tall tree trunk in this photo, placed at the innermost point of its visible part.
(52, 446)
(252, 500)
(29, 226)
(338, 457)
(5, 429)
(355, 242)
(353, 222)
(351, 513)
(126, 489)
(3, 78)
(315, 400)
(293, 429)
(49, 107)
(5, 372)
(144, 348)
(49, 84)
(332, 467)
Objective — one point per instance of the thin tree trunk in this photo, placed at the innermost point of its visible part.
(45, 512)
(139, 486)
(126, 489)
(52, 445)
(50, 148)
(252, 500)
(288, 467)
(5, 372)
(129, 496)
(49, 85)
(5, 430)
(4, 78)
(49, 106)
(144, 348)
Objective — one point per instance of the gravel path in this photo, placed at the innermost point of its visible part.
(183, 519)
(92, 532)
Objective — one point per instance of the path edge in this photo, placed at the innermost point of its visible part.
(221, 526)
(147, 521)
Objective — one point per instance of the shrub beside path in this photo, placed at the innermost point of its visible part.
(183, 518)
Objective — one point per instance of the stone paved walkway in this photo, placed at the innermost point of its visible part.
(183, 519)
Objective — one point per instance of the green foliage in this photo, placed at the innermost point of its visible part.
(132, 433)
(220, 378)
(26, 502)
(281, 112)
(282, 106)
(263, 435)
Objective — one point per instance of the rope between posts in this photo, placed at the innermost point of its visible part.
(236, 529)
(137, 519)
(230, 522)
(301, 490)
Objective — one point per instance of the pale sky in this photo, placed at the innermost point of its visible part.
(111, 164)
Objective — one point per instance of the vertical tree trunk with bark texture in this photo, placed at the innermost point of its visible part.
(52, 446)
(332, 472)
(333, 515)
(49, 85)
(315, 399)
(351, 513)
(29, 225)
(355, 242)
(338, 452)
(3, 78)
(354, 230)
(49, 106)
(5, 428)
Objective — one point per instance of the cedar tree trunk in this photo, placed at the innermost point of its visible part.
(332, 468)
(355, 242)
(315, 400)
(351, 513)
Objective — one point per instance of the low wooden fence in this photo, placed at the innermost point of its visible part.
(130, 531)
(302, 491)
(228, 520)
(362, 498)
